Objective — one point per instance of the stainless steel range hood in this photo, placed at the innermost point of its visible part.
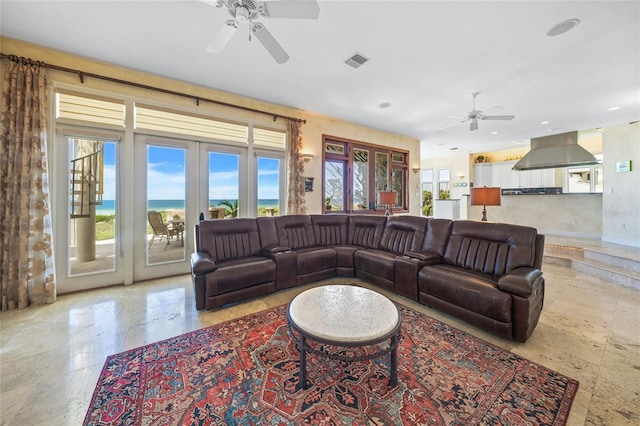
(560, 150)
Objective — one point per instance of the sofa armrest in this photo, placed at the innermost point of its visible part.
(286, 267)
(406, 270)
(266, 251)
(202, 263)
(423, 255)
(520, 281)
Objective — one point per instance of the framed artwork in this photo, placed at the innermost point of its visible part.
(308, 184)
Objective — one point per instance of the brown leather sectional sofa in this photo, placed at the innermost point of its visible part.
(488, 274)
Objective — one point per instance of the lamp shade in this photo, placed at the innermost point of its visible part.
(390, 198)
(485, 196)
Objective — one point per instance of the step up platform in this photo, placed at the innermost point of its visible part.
(617, 263)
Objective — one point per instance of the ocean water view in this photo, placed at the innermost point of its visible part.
(108, 206)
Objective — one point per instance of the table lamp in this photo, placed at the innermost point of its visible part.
(485, 197)
(389, 198)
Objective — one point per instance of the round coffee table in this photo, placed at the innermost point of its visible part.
(344, 315)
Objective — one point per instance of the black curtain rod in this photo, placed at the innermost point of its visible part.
(82, 75)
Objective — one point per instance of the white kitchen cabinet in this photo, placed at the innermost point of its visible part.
(501, 174)
(482, 175)
(537, 178)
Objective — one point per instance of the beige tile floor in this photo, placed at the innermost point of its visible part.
(51, 356)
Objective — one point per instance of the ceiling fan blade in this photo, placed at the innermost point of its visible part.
(459, 117)
(474, 125)
(295, 9)
(498, 117)
(270, 43)
(223, 37)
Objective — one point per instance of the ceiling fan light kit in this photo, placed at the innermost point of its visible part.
(247, 11)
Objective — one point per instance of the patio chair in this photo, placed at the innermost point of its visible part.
(161, 229)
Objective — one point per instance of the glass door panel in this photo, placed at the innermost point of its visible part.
(382, 175)
(224, 184)
(360, 179)
(165, 204)
(268, 186)
(334, 176)
(398, 177)
(92, 205)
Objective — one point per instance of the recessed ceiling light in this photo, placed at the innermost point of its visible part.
(494, 133)
(544, 122)
(562, 27)
(598, 129)
(613, 108)
(441, 143)
(385, 105)
(452, 149)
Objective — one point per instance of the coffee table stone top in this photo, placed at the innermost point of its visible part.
(344, 313)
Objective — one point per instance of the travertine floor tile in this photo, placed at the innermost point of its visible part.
(51, 356)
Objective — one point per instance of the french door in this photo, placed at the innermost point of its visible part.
(126, 212)
(166, 187)
(87, 211)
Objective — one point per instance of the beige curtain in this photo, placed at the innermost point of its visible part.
(295, 203)
(27, 268)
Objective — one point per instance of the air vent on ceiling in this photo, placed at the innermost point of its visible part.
(356, 60)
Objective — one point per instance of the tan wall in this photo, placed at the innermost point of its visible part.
(621, 198)
(318, 125)
(312, 131)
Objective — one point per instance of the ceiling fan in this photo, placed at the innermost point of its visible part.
(474, 115)
(247, 11)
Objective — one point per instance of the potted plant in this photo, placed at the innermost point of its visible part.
(327, 203)
(231, 208)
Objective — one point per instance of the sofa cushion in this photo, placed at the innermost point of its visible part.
(330, 229)
(436, 236)
(229, 239)
(315, 259)
(490, 248)
(403, 233)
(295, 231)
(345, 255)
(375, 262)
(241, 273)
(472, 291)
(365, 231)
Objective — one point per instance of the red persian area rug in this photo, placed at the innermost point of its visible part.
(245, 372)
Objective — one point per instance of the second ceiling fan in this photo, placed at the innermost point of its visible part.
(247, 11)
(474, 115)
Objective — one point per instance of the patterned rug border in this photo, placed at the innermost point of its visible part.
(164, 346)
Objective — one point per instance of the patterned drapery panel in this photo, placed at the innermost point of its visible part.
(27, 267)
(296, 201)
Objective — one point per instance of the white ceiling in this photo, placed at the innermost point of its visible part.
(427, 57)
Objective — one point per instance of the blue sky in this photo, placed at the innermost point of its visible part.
(166, 174)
